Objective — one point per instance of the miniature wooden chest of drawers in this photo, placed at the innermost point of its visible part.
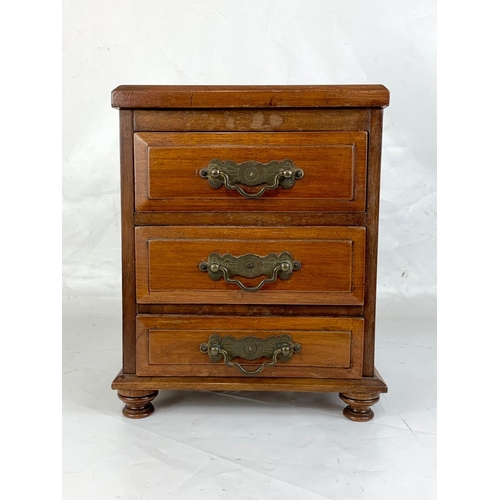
(249, 240)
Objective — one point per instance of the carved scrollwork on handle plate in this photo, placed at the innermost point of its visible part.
(251, 173)
(275, 348)
(250, 266)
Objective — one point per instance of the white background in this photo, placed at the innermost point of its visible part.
(205, 445)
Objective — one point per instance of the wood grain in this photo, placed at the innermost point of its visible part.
(127, 234)
(249, 219)
(365, 384)
(254, 120)
(250, 309)
(167, 260)
(249, 96)
(167, 166)
(172, 219)
(169, 345)
(374, 161)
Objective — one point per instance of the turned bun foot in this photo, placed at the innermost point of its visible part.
(137, 403)
(358, 405)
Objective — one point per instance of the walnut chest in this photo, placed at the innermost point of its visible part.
(249, 240)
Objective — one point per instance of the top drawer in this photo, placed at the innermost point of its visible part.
(328, 171)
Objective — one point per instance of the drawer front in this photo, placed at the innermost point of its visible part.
(326, 265)
(177, 346)
(328, 173)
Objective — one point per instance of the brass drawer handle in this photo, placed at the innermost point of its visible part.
(251, 173)
(250, 348)
(250, 266)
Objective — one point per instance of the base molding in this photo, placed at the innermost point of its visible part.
(359, 394)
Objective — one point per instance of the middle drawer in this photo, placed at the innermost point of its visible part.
(235, 265)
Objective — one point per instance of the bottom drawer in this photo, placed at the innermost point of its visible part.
(270, 346)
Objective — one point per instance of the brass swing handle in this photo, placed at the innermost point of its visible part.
(251, 173)
(274, 348)
(250, 266)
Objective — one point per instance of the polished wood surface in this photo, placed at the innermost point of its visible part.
(359, 405)
(172, 220)
(375, 152)
(332, 265)
(341, 385)
(250, 120)
(249, 219)
(251, 309)
(249, 96)
(128, 241)
(137, 402)
(170, 345)
(167, 167)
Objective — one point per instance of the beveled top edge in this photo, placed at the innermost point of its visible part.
(249, 96)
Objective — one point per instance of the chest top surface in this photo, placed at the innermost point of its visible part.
(249, 96)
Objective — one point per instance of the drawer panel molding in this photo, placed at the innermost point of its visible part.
(187, 345)
(326, 169)
(331, 262)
